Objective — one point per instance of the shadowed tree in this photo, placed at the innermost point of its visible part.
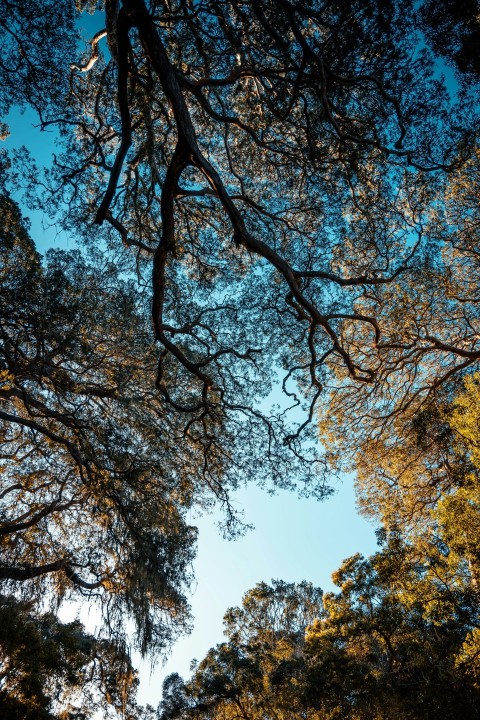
(56, 671)
(453, 28)
(94, 487)
(278, 169)
(274, 165)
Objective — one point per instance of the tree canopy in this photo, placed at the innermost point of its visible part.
(400, 638)
(389, 645)
(93, 494)
(264, 192)
(278, 168)
(56, 671)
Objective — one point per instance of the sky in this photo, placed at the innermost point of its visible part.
(293, 539)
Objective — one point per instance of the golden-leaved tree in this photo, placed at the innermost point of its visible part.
(377, 649)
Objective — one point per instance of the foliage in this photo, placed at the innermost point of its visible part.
(275, 168)
(388, 647)
(452, 27)
(423, 486)
(255, 673)
(424, 483)
(432, 319)
(298, 186)
(94, 486)
(37, 40)
(55, 671)
(279, 170)
(381, 648)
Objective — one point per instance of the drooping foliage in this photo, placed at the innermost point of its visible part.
(281, 188)
(56, 671)
(95, 481)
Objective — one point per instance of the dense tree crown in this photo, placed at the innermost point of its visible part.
(398, 641)
(92, 495)
(282, 166)
(264, 192)
(57, 671)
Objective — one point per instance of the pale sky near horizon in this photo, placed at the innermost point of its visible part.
(294, 539)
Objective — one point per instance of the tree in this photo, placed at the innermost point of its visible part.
(423, 482)
(277, 168)
(94, 490)
(389, 646)
(276, 163)
(453, 28)
(422, 486)
(432, 316)
(97, 471)
(383, 647)
(33, 69)
(55, 671)
(258, 671)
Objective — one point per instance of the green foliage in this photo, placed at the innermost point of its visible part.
(259, 671)
(382, 651)
(382, 648)
(56, 671)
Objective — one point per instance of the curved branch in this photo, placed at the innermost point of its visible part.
(94, 54)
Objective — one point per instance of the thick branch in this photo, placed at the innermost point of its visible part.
(123, 27)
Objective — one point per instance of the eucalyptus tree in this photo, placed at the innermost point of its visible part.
(259, 671)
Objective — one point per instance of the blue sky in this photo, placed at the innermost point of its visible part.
(294, 539)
